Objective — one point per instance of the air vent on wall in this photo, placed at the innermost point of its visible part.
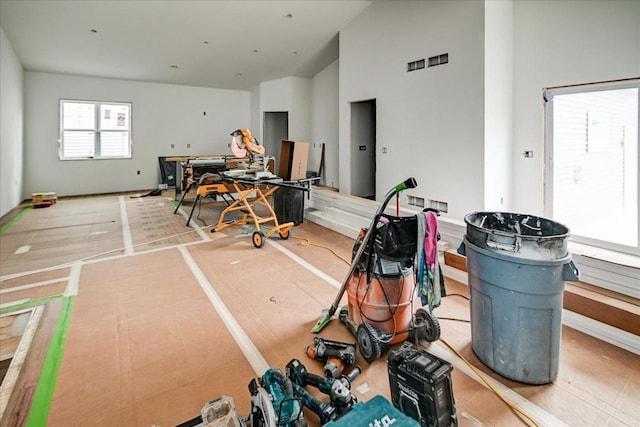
(421, 202)
(416, 201)
(439, 60)
(438, 205)
(416, 65)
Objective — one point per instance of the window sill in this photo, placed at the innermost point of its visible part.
(606, 255)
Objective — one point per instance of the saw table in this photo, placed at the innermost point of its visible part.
(249, 195)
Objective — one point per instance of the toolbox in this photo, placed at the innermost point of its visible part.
(377, 412)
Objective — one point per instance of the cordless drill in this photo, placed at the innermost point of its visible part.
(336, 355)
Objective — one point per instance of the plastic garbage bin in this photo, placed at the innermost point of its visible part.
(288, 204)
(516, 282)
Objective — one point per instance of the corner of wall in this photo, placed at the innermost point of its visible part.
(11, 126)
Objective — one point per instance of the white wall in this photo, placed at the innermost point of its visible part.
(273, 96)
(562, 43)
(431, 121)
(290, 94)
(300, 112)
(162, 115)
(11, 127)
(256, 115)
(324, 123)
(498, 104)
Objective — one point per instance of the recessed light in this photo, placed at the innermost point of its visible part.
(173, 66)
(288, 16)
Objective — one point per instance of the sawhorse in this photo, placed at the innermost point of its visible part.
(207, 190)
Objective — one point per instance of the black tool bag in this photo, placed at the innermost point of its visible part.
(391, 248)
(395, 237)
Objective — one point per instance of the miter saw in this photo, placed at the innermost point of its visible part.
(243, 144)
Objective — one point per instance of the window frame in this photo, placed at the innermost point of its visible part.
(548, 95)
(96, 130)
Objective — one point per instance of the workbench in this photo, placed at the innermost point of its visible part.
(190, 168)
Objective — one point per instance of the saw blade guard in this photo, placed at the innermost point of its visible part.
(262, 412)
(243, 143)
(238, 147)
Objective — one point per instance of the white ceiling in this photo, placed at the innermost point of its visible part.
(220, 44)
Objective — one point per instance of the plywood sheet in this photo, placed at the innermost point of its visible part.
(67, 231)
(144, 347)
(153, 225)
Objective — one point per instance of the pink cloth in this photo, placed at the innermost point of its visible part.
(431, 240)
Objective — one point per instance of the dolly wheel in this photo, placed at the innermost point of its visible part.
(369, 346)
(284, 234)
(427, 325)
(258, 239)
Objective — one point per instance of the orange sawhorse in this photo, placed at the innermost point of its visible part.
(242, 204)
(208, 190)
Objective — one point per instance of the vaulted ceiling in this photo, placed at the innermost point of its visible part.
(220, 44)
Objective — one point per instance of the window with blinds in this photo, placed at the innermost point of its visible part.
(592, 162)
(95, 130)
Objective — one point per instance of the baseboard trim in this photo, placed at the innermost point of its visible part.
(601, 331)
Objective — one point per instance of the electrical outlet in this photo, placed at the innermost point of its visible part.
(528, 154)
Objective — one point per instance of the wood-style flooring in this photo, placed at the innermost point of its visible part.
(146, 320)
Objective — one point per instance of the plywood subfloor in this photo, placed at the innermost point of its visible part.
(168, 317)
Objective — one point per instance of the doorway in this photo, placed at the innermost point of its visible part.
(276, 130)
(363, 149)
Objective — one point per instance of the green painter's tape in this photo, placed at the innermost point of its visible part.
(48, 377)
(30, 303)
(15, 218)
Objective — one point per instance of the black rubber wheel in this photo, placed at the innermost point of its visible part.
(368, 343)
(427, 325)
(258, 239)
(284, 234)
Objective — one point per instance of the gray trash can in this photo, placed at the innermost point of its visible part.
(517, 266)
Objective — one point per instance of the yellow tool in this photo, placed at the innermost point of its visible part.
(252, 190)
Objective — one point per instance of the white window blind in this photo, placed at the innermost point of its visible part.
(592, 181)
(91, 129)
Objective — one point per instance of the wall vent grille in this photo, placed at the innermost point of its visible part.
(439, 60)
(416, 65)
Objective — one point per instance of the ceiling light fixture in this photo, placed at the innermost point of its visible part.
(255, 50)
(206, 42)
(288, 16)
(94, 30)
